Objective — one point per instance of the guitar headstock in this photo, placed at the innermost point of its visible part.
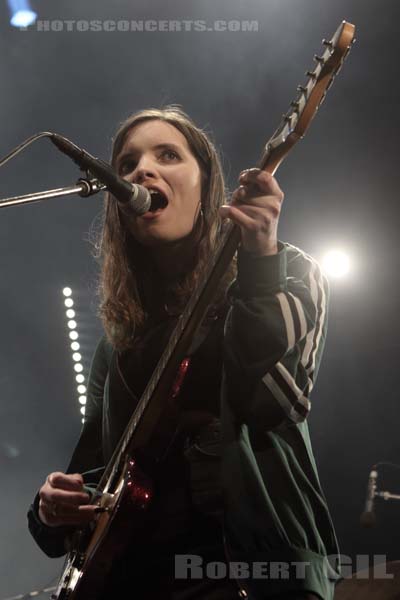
(310, 97)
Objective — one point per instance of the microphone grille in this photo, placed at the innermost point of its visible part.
(141, 200)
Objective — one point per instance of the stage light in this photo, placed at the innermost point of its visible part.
(336, 263)
(75, 346)
(21, 13)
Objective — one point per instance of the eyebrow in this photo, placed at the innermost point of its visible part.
(161, 146)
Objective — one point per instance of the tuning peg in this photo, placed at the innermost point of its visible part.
(295, 105)
(327, 43)
(319, 58)
(302, 88)
(311, 74)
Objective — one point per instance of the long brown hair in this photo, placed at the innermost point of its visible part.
(123, 310)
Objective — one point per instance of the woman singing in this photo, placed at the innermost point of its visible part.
(238, 487)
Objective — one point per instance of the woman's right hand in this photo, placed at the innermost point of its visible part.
(63, 501)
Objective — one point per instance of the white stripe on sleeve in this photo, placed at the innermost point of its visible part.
(302, 317)
(288, 318)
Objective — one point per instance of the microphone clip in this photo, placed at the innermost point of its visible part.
(89, 185)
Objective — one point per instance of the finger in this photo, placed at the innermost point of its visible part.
(261, 214)
(263, 202)
(262, 218)
(239, 217)
(62, 508)
(238, 194)
(246, 193)
(252, 218)
(68, 520)
(263, 180)
(51, 495)
(66, 482)
(66, 513)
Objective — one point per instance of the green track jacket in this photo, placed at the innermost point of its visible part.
(278, 530)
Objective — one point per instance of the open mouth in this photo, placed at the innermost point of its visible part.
(158, 200)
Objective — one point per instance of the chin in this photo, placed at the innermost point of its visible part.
(162, 237)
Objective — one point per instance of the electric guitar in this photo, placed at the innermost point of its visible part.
(126, 489)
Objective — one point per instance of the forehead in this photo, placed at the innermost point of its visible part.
(151, 133)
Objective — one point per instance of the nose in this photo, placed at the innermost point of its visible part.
(144, 170)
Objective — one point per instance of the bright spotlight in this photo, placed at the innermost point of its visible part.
(68, 302)
(73, 335)
(80, 378)
(75, 346)
(76, 357)
(82, 399)
(336, 263)
(70, 313)
(81, 389)
(67, 291)
(21, 13)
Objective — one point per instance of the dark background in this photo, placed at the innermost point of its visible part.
(341, 186)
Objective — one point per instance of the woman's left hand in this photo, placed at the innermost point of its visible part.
(255, 206)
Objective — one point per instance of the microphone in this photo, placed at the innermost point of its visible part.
(368, 518)
(133, 198)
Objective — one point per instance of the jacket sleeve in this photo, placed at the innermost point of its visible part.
(87, 457)
(274, 336)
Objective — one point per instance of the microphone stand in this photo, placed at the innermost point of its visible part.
(387, 495)
(84, 187)
(368, 518)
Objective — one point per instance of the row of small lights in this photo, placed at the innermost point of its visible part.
(75, 347)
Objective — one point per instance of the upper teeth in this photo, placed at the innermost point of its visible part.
(153, 191)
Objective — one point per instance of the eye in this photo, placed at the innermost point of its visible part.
(126, 166)
(169, 154)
